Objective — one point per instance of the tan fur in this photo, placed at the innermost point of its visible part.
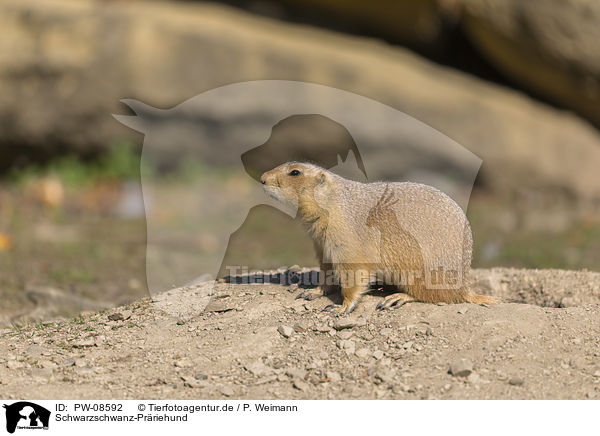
(380, 228)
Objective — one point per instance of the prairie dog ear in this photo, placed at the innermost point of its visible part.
(321, 177)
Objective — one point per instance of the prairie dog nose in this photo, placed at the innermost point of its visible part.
(263, 179)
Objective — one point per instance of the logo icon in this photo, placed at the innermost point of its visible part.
(26, 415)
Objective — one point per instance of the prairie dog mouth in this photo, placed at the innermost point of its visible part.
(278, 195)
(274, 193)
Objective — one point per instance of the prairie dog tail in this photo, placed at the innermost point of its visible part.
(481, 299)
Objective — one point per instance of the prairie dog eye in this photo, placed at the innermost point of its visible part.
(294, 173)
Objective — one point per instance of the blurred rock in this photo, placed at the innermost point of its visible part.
(51, 302)
(415, 22)
(67, 64)
(550, 47)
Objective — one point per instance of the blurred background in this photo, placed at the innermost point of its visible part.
(516, 83)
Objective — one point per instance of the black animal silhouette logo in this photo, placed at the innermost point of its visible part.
(26, 415)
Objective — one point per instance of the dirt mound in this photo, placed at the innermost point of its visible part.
(259, 341)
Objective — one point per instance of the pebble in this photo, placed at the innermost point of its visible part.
(41, 373)
(218, 307)
(473, 378)
(597, 373)
(461, 368)
(385, 332)
(591, 394)
(69, 362)
(300, 327)
(183, 363)
(47, 364)
(200, 376)
(296, 373)
(285, 331)
(516, 381)
(117, 316)
(227, 391)
(13, 364)
(378, 354)
(384, 376)
(333, 376)
(322, 328)
(348, 346)
(342, 324)
(34, 351)
(301, 385)
(462, 310)
(191, 382)
(84, 343)
(363, 353)
(345, 334)
(258, 369)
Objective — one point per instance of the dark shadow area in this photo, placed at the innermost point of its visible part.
(305, 138)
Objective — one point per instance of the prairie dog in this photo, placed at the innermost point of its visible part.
(408, 235)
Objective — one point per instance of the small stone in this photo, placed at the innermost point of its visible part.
(227, 391)
(342, 324)
(333, 376)
(218, 307)
(47, 364)
(322, 328)
(379, 393)
(461, 368)
(301, 385)
(84, 343)
(285, 331)
(385, 332)
(463, 310)
(13, 364)
(399, 389)
(300, 327)
(384, 376)
(345, 334)
(407, 345)
(258, 369)
(293, 287)
(41, 373)
(348, 346)
(363, 353)
(34, 351)
(378, 354)
(192, 382)
(183, 363)
(80, 363)
(473, 378)
(116, 316)
(597, 373)
(69, 362)
(591, 394)
(84, 370)
(296, 373)
(200, 376)
(515, 381)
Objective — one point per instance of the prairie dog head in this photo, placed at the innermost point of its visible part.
(294, 183)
